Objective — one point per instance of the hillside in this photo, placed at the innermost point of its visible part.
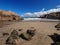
(9, 16)
(54, 15)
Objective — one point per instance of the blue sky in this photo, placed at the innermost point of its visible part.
(24, 6)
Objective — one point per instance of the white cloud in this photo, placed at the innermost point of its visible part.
(28, 14)
(54, 10)
(58, 6)
(42, 12)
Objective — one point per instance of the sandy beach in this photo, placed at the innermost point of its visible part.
(43, 29)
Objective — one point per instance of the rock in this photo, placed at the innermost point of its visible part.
(25, 36)
(58, 29)
(58, 43)
(55, 38)
(10, 41)
(20, 29)
(31, 32)
(28, 34)
(5, 34)
(13, 38)
(57, 26)
(14, 32)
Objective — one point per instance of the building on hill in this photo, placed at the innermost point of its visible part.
(9, 16)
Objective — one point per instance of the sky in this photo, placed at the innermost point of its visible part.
(29, 7)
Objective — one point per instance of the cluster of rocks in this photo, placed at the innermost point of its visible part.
(58, 26)
(14, 36)
(56, 39)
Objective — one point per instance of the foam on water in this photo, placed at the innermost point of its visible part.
(39, 19)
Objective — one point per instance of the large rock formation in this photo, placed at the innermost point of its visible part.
(9, 16)
(54, 15)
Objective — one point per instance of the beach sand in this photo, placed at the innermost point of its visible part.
(43, 29)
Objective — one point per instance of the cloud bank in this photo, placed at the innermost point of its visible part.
(42, 12)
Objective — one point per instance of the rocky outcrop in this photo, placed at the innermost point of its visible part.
(9, 16)
(13, 38)
(54, 15)
(57, 26)
(28, 34)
